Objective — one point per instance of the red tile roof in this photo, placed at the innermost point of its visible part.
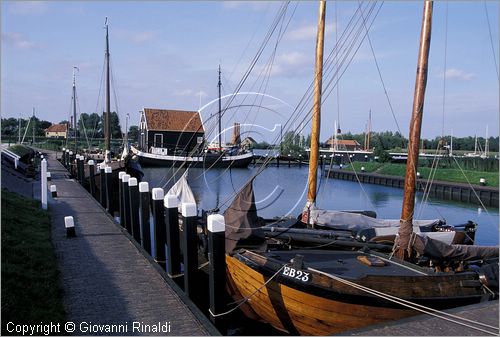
(345, 142)
(173, 120)
(57, 128)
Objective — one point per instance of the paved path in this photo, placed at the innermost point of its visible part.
(106, 279)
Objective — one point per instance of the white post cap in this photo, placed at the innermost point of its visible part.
(70, 153)
(157, 193)
(216, 223)
(64, 149)
(125, 178)
(102, 166)
(53, 188)
(67, 150)
(170, 201)
(132, 182)
(107, 169)
(189, 209)
(143, 187)
(41, 156)
(49, 175)
(68, 222)
(121, 174)
(91, 162)
(482, 180)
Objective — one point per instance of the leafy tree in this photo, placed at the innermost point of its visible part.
(133, 133)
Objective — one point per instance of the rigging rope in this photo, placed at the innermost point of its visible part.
(412, 305)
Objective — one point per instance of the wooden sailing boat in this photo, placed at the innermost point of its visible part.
(322, 292)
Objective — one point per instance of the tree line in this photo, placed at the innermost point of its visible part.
(88, 124)
(384, 141)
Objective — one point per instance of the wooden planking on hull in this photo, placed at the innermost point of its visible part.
(300, 313)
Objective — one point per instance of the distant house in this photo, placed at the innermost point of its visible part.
(170, 131)
(344, 144)
(57, 131)
(248, 142)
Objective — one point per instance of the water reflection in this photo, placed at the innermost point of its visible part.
(282, 191)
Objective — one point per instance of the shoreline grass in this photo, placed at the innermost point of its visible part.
(31, 292)
(442, 174)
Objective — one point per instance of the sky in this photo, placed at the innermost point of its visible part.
(165, 54)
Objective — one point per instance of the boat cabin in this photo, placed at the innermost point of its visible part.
(170, 132)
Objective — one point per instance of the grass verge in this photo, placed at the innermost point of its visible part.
(443, 174)
(31, 293)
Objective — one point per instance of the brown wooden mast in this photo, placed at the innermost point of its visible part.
(406, 226)
(316, 116)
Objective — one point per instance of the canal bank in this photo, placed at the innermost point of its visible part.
(486, 195)
(107, 279)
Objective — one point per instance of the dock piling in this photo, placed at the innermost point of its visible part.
(120, 196)
(190, 248)
(217, 267)
(134, 209)
(81, 164)
(102, 181)
(92, 177)
(159, 226)
(110, 207)
(144, 209)
(172, 223)
(126, 203)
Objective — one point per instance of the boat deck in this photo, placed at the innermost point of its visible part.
(343, 263)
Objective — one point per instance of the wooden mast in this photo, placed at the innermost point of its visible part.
(219, 116)
(406, 226)
(74, 110)
(107, 117)
(316, 116)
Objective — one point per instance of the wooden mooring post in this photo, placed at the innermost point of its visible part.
(102, 185)
(144, 208)
(91, 164)
(217, 267)
(126, 203)
(159, 226)
(110, 205)
(120, 196)
(190, 248)
(172, 225)
(134, 209)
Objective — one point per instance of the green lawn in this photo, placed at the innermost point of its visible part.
(451, 175)
(31, 293)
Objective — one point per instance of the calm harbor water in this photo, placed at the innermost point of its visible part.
(282, 191)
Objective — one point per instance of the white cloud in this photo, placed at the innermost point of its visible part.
(16, 40)
(306, 32)
(255, 5)
(291, 64)
(137, 37)
(460, 74)
(29, 7)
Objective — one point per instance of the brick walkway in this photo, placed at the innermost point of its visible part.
(106, 279)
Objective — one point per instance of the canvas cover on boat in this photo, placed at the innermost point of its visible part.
(436, 249)
(242, 222)
(356, 221)
(182, 190)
